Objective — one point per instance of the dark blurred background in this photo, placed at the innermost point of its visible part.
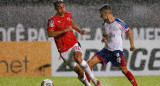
(35, 13)
(81, 2)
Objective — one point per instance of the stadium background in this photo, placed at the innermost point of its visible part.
(25, 21)
(34, 14)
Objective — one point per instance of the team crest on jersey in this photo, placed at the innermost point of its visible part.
(51, 23)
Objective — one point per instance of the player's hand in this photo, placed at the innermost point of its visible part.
(83, 32)
(104, 40)
(69, 28)
(132, 48)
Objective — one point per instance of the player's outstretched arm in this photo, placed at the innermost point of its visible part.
(52, 33)
(131, 41)
(75, 27)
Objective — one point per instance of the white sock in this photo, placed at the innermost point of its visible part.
(87, 69)
(84, 80)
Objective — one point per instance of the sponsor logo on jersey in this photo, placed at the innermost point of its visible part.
(59, 21)
(112, 35)
(68, 19)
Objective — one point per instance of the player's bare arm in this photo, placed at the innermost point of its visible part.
(75, 27)
(52, 33)
(131, 41)
(104, 40)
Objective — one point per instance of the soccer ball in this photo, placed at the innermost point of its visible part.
(47, 82)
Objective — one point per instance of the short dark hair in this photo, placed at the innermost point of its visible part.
(57, 2)
(105, 7)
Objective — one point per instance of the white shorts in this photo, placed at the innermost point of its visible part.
(68, 55)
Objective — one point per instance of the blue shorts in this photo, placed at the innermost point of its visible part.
(115, 57)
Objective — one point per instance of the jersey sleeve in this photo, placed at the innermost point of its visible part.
(51, 25)
(123, 25)
(70, 15)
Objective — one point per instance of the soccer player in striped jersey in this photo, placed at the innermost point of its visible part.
(113, 49)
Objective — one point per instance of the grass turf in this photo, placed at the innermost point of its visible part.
(73, 81)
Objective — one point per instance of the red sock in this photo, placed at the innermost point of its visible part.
(131, 78)
(88, 75)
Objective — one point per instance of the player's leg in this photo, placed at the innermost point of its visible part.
(127, 73)
(81, 75)
(85, 66)
(93, 61)
(118, 60)
(99, 57)
(69, 61)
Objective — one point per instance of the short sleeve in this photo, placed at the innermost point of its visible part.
(123, 25)
(70, 15)
(51, 24)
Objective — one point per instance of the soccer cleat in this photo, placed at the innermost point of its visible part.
(98, 83)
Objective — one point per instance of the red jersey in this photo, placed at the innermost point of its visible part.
(66, 40)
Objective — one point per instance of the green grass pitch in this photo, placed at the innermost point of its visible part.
(73, 81)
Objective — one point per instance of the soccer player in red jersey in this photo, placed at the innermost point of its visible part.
(113, 50)
(60, 26)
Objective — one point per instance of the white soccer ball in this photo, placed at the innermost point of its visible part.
(47, 82)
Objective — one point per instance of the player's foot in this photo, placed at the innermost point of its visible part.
(96, 82)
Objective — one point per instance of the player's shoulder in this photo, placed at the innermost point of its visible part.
(52, 17)
(68, 13)
(119, 20)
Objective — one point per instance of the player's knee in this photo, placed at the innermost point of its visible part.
(79, 60)
(80, 73)
(89, 63)
(124, 70)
